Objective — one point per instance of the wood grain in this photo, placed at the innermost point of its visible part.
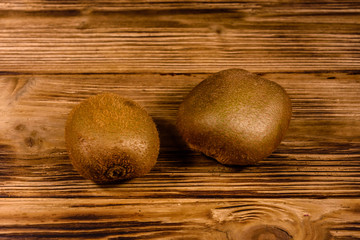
(186, 219)
(53, 54)
(190, 36)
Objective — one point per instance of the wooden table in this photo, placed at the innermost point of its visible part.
(56, 53)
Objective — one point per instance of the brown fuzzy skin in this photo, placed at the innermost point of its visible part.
(235, 116)
(110, 138)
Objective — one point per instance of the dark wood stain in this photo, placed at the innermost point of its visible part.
(39, 13)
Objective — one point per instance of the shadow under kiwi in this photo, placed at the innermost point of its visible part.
(112, 184)
(174, 152)
(173, 149)
(226, 168)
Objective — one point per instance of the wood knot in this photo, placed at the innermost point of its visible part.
(265, 232)
(33, 140)
(20, 127)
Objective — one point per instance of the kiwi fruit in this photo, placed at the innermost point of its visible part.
(110, 138)
(235, 117)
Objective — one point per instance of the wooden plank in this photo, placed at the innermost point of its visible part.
(318, 158)
(36, 5)
(100, 218)
(165, 36)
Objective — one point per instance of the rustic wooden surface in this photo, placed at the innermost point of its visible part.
(56, 53)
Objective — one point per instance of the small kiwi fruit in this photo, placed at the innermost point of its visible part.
(234, 116)
(110, 138)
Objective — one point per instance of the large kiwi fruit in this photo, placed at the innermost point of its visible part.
(234, 116)
(110, 138)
